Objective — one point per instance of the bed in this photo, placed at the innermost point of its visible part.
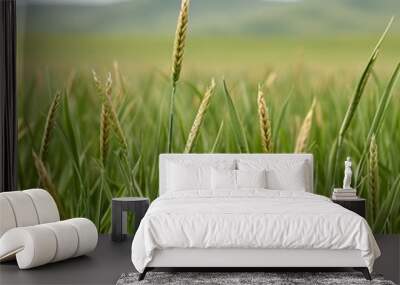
(245, 211)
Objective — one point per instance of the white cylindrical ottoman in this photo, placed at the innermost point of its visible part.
(37, 245)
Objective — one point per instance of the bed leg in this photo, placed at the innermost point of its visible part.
(143, 274)
(364, 271)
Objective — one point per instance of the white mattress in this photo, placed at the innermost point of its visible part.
(250, 219)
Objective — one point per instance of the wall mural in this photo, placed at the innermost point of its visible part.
(101, 97)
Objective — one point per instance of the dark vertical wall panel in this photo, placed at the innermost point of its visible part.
(8, 128)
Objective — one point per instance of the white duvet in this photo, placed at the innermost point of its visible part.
(250, 219)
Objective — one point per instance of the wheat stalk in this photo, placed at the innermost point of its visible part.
(218, 137)
(355, 100)
(46, 181)
(305, 129)
(334, 157)
(270, 79)
(265, 122)
(49, 126)
(119, 80)
(179, 43)
(97, 82)
(116, 123)
(104, 133)
(361, 86)
(205, 102)
(373, 177)
(377, 120)
(70, 82)
(177, 59)
(110, 110)
(22, 129)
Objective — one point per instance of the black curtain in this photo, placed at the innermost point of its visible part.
(8, 128)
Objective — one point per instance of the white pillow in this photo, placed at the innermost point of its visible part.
(223, 179)
(251, 178)
(291, 179)
(281, 175)
(193, 174)
(187, 177)
(227, 179)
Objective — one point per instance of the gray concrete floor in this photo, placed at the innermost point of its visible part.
(110, 260)
(389, 263)
(103, 266)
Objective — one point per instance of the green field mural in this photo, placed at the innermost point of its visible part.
(95, 102)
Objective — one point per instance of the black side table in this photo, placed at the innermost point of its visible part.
(357, 205)
(138, 206)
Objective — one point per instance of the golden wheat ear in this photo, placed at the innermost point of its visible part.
(373, 178)
(119, 79)
(113, 114)
(49, 125)
(205, 102)
(270, 80)
(264, 121)
(96, 81)
(46, 182)
(110, 111)
(179, 43)
(106, 119)
(177, 59)
(105, 126)
(305, 130)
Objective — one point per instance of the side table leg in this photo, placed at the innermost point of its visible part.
(117, 220)
(124, 221)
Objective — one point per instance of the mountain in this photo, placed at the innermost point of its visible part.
(215, 17)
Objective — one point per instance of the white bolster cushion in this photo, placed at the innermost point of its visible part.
(45, 205)
(87, 235)
(7, 218)
(66, 238)
(37, 245)
(26, 208)
(23, 208)
(33, 246)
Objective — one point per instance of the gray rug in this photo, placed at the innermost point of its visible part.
(269, 278)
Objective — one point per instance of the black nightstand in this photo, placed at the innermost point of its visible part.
(137, 205)
(356, 205)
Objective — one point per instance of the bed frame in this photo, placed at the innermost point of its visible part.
(246, 259)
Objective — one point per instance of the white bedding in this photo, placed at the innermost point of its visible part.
(251, 218)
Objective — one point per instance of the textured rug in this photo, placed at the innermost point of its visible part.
(233, 278)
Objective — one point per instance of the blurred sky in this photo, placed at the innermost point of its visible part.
(105, 2)
(75, 2)
(225, 36)
(211, 17)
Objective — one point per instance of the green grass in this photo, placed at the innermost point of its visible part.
(205, 56)
(325, 69)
